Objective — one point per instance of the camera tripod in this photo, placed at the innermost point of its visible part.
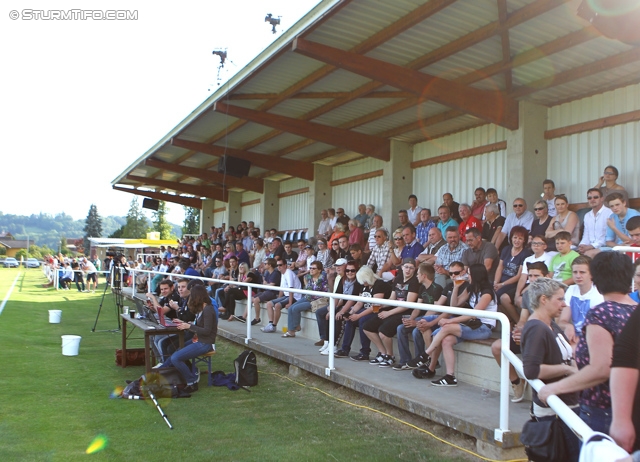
(115, 275)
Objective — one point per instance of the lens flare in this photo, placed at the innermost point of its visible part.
(116, 393)
(98, 444)
(612, 8)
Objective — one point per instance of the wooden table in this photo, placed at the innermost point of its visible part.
(150, 329)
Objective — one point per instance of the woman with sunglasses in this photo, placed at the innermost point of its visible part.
(509, 270)
(565, 220)
(541, 223)
(315, 281)
(395, 256)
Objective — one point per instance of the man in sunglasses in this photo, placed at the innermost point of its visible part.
(380, 252)
(288, 280)
(595, 224)
(519, 217)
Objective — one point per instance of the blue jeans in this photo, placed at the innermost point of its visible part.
(295, 313)
(418, 340)
(598, 419)
(217, 296)
(191, 350)
(350, 331)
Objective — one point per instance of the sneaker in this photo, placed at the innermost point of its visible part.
(446, 381)
(341, 354)
(401, 367)
(421, 360)
(325, 346)
(240, 318)
(157, 366)
(268, 328)
(326, 352)
(386, 361)
(377, 360)
(423, 373)
(518, 391)
(359, 357)
(256, 321)
(197, 375)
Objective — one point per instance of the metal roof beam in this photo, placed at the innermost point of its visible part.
(186, 201)
(368, 145)
(291, 167)
(207, 175)
(492, 106)
(196, 190)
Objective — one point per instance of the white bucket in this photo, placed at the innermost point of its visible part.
(55, 316)
(70, 345)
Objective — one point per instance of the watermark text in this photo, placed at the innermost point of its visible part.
(74, 15)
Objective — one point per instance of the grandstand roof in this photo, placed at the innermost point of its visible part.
(353, 74)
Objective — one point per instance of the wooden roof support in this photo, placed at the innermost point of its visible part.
(368, 145)
(208, 175)
(291, 167)
(196, 190)
(194, 202)
(491, 106)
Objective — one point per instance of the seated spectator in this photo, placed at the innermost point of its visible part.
(310, 256)
(362, 216)
(451, 252)
(343, 218)
(168, 309)
(381, 328)
(290, 255)
(446, 221)
(403, 217)
(347, 284)
(509, 270)
(549, 196)
(617, 223)
(288, 280)
(538, 247)
(612, 273)
(565, 220)
(412, 248)
(447, 200)
(376, 224)
(66, 276)
(343, 248)
(541, 223)
(423, 227)
(579, 299)
(301, 263)
(357, 255)
(595, 224)
(480, 296)
(324, 228)
(333, 219)
(323, 254)
(468, 221)
(356, 234)
(220, 293)
(338, 231)
(480, 251)
(431, 247)
(413, 212)
(493, 224)
(360, 313)
(478, 205)
(233, 292)
(419, 324)
(492, 198)
(314, 281)
(205, 329)
(271, 277)
(546, 355)
(380, 252)
(518, 385)
(519, 217)
(608, 184)
(371, 213)
(276, 248)
(635, 296)
(560, 266)
(259, 255)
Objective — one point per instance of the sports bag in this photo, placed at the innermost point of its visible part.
(543, 440)
(246, 369)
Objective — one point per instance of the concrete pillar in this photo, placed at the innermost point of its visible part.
(319, 196)
(397, 183)
(270, 213)
(234, 209)
(206, 216)
(527, 155)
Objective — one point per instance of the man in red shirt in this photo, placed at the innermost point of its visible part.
(468, 221)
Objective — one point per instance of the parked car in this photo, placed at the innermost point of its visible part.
(11, 262)
(32, 263)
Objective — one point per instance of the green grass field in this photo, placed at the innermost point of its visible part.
(53, 406)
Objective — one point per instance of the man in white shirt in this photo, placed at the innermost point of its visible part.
(519, 217)
(580, 298)
(549, 195)
(595, 224)
(274, 307)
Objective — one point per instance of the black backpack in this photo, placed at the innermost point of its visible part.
(246, 369)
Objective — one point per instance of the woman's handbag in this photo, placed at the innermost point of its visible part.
(544, 440)
(319, 303)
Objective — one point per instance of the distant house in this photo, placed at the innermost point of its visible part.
(13, 246)
(6, 235)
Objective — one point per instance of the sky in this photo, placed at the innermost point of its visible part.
(80, 100)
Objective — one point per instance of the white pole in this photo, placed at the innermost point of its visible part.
(249, 308)
(332, 335)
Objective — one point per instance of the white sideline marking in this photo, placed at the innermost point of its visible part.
(6, 298)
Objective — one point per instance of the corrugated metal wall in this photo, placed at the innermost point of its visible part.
(251, 212)
(294, 210)
(460, 177)
(576, 162)
(369, 191)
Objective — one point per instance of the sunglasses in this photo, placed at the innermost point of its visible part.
(397, 238)
(313, 268)
(350, 271)
(537, 209)
(593, 197)
(518, 205)
(455, 273)
(334, 243)
(281, 264)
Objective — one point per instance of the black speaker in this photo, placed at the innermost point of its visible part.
(150, 204)
(234, 166)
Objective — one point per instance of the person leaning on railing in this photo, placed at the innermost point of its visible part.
(547, 354)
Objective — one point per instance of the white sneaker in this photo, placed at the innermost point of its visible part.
(326, 352)
(518, 391)
(324, 347)
(268, 328)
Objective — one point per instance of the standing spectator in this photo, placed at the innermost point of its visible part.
(519, 217)
(446, 221)
(607, 184)
(565, 220)
(423, 226)
(617, 233)
(480, 202)
(467, 221)
(549, 196)
(413, 212)
(595, 224)
(447, 199)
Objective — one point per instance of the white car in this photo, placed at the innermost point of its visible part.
(32, 263)
(11, 262)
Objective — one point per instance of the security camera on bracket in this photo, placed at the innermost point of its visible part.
(273, 21)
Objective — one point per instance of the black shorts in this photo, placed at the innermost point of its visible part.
(509, 289)
(388, 326)
(91, 277)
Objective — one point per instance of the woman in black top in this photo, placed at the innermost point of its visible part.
(547, 354)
